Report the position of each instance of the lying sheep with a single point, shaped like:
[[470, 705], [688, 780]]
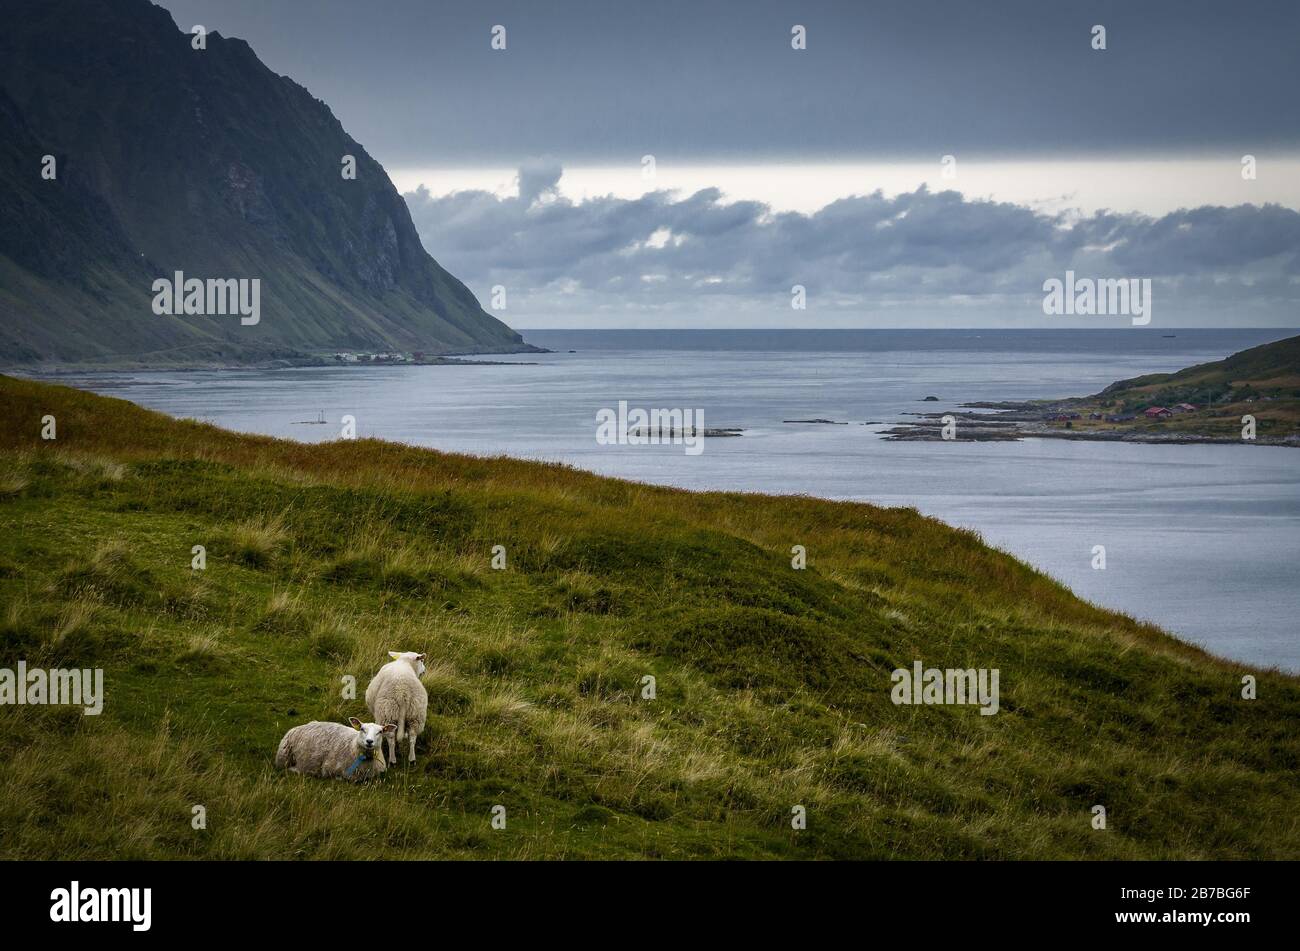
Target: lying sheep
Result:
[[396, 696], [334, 751]]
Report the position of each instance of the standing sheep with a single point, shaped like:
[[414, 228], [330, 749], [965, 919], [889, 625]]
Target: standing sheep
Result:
[[395, 695], [334, 751]]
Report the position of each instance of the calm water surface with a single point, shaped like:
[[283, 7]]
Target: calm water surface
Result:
[[1202, 540]]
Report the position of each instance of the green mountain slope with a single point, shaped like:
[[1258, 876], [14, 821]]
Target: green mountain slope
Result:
[[201, 161], [1271, 367], [772, 685], [1262, 383]]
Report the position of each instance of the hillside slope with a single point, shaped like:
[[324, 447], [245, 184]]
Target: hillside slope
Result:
[[1270, 367], [1262, 381], [205, 162], [1250, 397], [772, 684]]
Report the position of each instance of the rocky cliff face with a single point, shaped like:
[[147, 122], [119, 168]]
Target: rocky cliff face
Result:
[[169, 158]]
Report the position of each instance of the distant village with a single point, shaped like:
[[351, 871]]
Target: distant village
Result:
[[1153, 412], [344, 356], [413, 358]]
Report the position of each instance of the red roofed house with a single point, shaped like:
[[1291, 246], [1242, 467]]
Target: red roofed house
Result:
[[1157, 412], [1184, 408]]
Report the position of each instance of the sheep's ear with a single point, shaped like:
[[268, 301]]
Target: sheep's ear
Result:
[[396, 655], [356, 724], [390, 727]]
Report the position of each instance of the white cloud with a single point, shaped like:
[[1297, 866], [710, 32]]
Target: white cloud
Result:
[[921, 256]]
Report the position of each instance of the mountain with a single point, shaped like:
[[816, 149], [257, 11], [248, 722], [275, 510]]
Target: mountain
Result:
[[203, 161]]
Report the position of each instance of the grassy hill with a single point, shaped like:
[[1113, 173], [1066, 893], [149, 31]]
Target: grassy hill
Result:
[[773, 684], [1270, 366], [1263, 381]]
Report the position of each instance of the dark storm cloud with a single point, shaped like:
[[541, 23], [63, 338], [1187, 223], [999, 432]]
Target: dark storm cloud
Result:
[[416, 81], [698, 253]]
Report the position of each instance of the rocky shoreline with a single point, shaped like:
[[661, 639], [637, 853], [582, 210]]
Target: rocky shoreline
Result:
[[1009, 421]]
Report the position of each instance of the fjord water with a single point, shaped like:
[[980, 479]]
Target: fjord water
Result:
[[1201, 539]]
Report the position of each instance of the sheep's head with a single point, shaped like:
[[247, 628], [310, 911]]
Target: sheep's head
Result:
[[368, 734], [412, 658]]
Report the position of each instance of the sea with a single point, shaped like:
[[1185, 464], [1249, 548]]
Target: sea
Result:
[[1203, 540]]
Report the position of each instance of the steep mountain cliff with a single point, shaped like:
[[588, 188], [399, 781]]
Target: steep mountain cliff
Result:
[[168, 159]]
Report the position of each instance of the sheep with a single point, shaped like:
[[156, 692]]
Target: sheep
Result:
[[396, 696], [333, 750]]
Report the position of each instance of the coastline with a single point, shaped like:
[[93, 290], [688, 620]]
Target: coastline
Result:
[[46, 371], [1012, 422], [320, 557], [845, 457], [228, 435], [1252, 396]]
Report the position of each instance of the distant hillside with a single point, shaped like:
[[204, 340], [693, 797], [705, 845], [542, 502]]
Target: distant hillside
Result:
[[1270, 369], [772, 685], [201, 161], [1208, 401]]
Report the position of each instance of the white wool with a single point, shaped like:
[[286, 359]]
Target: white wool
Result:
[[396, 696], [328, 750]]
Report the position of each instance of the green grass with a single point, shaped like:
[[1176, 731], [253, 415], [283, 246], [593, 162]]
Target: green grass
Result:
[[1263, 382], [773, 685]]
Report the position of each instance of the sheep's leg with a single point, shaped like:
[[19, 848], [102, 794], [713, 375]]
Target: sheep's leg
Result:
[[391, 741], [411, 734]]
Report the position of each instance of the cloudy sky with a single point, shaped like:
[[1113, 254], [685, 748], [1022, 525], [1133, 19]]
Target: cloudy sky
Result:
[[527, 167]]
